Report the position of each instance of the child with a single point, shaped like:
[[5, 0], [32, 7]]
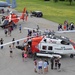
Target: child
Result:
[[25, 55], [35, 65]]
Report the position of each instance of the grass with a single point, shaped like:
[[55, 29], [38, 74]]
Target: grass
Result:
[[57, 12]]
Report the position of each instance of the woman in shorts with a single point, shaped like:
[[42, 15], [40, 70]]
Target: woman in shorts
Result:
[[45, 64], [40, 64]]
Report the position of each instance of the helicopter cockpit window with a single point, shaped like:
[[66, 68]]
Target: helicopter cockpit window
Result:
[[65, 43], [50, 47], [45, 40], [44, 47], [54, 37], [48, 36]]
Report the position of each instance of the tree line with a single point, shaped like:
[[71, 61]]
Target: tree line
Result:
[[70, 1]]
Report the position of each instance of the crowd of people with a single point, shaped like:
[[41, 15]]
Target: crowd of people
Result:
[[41, 66], [34, 32], [27, 52], [7, 33], [66, 26], [55, 61]]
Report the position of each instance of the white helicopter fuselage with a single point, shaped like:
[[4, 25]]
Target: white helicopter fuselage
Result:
[[56, 46]]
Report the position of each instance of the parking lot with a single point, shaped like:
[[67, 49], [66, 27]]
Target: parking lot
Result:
[[15, 65]]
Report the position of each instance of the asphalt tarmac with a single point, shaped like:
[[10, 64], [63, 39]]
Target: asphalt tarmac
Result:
[[16, 66]]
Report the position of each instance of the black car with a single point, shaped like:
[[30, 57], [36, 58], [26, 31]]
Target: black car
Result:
[[37, 14]]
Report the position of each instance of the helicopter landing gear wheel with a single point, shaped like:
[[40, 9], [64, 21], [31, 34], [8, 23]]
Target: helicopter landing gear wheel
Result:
[[71, 56]]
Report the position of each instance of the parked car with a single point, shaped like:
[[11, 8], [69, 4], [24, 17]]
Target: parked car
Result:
[[37, 13]]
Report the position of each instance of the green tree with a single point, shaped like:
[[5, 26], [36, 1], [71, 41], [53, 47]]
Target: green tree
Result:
[[70, 2], [55, 0]]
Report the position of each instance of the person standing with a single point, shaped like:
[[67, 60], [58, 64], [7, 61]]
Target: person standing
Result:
[[28, 32], [45, 66], [40, 64], [35, 65], [13, 42], [37, 28], [56, 62], [52, 62], [23, 55], [1, 41], [59, 66], [20, 28], [29, 51], [5, 32], [17, 42], [11, 52], [9, 31]]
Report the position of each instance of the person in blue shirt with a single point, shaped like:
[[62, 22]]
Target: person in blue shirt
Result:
[[45, 65], [20, 28]]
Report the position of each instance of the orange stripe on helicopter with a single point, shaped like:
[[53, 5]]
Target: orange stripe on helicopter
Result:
[[73, 43], [35, 42]]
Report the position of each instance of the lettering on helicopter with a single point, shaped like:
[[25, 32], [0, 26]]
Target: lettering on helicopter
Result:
[[52, 41], [63, 48]]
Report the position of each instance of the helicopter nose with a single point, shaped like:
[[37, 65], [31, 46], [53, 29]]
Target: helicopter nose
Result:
[[20, 47]]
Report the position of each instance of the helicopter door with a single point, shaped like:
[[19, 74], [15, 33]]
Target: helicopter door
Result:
[[46, 48]]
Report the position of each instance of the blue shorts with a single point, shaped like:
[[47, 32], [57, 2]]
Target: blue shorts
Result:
[[39, 67]]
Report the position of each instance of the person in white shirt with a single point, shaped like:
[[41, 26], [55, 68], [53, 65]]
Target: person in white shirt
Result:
[[40, 64]]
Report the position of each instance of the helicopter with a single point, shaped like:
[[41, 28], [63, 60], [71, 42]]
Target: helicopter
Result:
[[48, 45], [12, 19]]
